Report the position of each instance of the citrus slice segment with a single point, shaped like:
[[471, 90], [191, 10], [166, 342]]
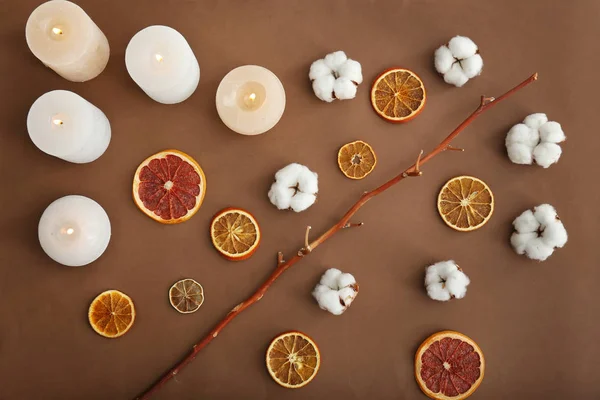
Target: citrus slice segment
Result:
[[293, 359], [186, 296], [465, 203], [398, 95], [449, 366], [235, 233], [356, 159], [111, 314], [169, 187]]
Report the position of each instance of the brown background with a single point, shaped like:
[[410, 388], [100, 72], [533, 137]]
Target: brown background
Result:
[[537, 323]]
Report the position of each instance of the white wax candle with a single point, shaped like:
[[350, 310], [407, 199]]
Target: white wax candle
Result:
[[250, 100], [65, 125], [162, 63], [66, 39], [74, 230]]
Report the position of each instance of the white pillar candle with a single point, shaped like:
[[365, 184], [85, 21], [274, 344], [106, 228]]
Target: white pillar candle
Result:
[[250, 100], [66, 39], [162, 63], [74, 230], [65, 125]]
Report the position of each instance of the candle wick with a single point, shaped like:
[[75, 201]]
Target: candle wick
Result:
[[159, 58], [57, 121], [252, 96], [57, 31]]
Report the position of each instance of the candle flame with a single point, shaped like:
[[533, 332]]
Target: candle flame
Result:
[[252, 96], [159, 58], [70, 231], [57, 122], [57, 31]]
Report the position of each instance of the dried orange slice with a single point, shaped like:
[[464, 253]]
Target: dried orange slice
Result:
[[356, 159], [449, 366], [235, 233], [111, 314], [169, 187], [186, 296], [293, 359], [465, 203], [398, 95]]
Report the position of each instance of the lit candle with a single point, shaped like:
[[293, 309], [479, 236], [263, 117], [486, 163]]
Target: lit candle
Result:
[[66, 39], [250, 100], [74, 230], [65, 125], [162, 63]]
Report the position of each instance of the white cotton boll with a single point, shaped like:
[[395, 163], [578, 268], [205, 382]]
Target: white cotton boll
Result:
[[301, 201], [443, 59], [545, 154], [438, 291], [352, 70], [545, 214], [318, 69], [335, 60], [521, 133], [526, 222], [519, 153], [519, 241], [281, 196], [344, 280], [344, 88], [534, 121], [347, 295], [455, 76], [323, 88], [555, 234], [472, 66], [536, 249], [552, 132], [462, 47], [308, 181]]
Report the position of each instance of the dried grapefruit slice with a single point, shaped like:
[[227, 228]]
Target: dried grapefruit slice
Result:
[[398, 95], [111, 314], [449, 366], [235, 233], [293, 359], [169, 187], [356, 159], [186, 296], [465, 203]]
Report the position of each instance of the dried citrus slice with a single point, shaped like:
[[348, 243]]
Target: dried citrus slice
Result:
[[169, 187], [186, 296], [449, 366], [293, 359], [235, 233], [356, 159], [465, 203], [111, 314], [398, 95]]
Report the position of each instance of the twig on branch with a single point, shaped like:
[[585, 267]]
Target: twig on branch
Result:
[[351, 225], [280, 259], [450, 147], [282, 266], [417, 171]]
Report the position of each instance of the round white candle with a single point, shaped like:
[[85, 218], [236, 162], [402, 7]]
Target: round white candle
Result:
[[66, 39], [74, 230], [65, 125], [162, 63], [250, 100]]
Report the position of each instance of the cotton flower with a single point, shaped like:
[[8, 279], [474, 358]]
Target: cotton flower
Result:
[[445, 280], [295, 188], [535, 141], [336, 291], [335, 77], [538, 233], [458, 61]]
